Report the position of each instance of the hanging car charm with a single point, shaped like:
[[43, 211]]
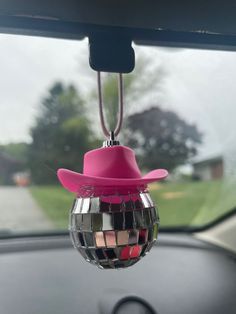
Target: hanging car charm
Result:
[[113, 222]]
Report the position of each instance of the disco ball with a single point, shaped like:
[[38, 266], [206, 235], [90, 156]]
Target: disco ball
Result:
[[114, 231], [113, 222]]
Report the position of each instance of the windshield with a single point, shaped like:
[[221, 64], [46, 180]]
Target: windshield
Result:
[[179, 115]]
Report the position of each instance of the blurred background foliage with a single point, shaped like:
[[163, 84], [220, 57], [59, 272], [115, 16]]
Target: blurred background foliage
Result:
[[61, 134], [67, 125]]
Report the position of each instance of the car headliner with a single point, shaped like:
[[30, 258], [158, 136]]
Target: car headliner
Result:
[[196, 24]]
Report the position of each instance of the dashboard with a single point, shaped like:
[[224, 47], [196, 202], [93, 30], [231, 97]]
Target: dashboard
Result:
[[180, 275]]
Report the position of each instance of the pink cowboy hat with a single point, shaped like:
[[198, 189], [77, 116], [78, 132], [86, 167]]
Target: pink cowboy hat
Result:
[[109, 166]]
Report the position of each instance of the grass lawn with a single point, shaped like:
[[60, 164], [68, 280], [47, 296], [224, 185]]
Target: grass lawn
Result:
[[192, 203], [189, 203], [56, 203]]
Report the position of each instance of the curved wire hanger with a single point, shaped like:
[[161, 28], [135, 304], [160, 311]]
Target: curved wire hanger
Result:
[[116, 131]]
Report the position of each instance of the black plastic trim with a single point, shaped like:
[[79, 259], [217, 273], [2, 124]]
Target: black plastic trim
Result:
[[156, 37]]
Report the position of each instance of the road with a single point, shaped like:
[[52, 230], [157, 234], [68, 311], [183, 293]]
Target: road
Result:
[[19, 212]]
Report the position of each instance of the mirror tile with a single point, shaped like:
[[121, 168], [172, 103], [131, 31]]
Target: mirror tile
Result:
[[150, 234], [110, 254], [133, 237], [142, 236], [138, 219], [138, 204], [97, 222], [95, 205], [129, 220], [128, 205], [90, 256], [81, 238], [144, 200], [135, 251], [146, 218], [86, 222], [100, 254], [85, 205], [110, 237], [125, 253], [122, 237], [118, 220], [88, 237], [155, 231], [99, 238], [78, 206], [107, 223], [153, 214], [149, 200], [78, 218]]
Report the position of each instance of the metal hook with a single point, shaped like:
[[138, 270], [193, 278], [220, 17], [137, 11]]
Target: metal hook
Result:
[[121, 105]]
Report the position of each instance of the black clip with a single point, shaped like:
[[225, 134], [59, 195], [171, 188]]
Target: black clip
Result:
[[111, 52]]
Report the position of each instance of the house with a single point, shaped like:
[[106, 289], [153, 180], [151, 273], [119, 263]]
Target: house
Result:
[[209, 169], [8, 166]]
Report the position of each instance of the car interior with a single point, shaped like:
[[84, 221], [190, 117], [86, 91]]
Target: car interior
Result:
[[178, 65]]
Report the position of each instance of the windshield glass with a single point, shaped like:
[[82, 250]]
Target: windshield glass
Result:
[[179, 115]]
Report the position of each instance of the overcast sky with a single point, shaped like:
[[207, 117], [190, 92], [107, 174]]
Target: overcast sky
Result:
[[199, 85]]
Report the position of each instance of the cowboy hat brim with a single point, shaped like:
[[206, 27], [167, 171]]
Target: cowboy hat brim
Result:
[[73, 181]]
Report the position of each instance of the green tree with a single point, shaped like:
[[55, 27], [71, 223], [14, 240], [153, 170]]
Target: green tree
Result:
[[61, 134], [162, 139]]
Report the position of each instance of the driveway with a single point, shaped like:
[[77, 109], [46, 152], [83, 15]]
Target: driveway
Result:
[[20, 212]]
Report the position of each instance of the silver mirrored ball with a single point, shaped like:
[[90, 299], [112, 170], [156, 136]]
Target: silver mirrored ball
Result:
[[114, 231]]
